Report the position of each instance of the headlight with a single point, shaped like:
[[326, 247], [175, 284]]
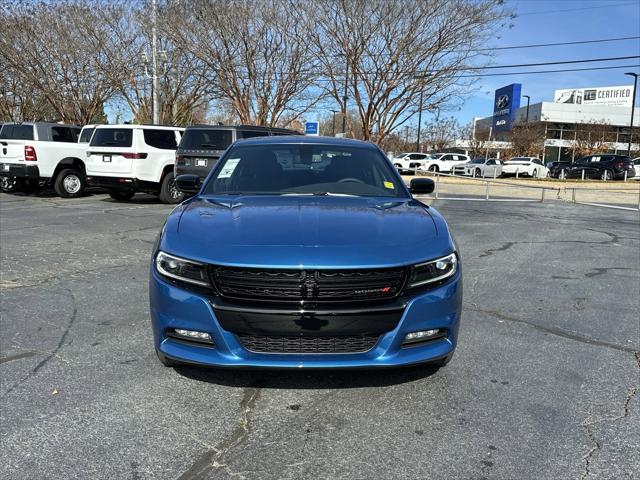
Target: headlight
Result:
[[433, 271], [181, 269]]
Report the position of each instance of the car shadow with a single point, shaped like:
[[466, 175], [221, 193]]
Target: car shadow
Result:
[[307, 379]]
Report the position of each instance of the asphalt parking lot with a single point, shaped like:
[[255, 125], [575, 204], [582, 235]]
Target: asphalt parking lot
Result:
[[544, 384]]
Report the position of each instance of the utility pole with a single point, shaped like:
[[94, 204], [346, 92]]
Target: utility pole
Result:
[[418, 149], [333, 124], [528, 99], [154, 64], [633, 107], [345, 98]]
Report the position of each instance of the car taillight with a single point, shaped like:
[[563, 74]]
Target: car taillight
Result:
[[30, 154], [134, 155]]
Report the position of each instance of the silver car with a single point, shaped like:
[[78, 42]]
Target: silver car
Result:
[[479, 167]]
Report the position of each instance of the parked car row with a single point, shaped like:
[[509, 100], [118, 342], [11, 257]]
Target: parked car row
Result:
[[123, 159], [601, 166]]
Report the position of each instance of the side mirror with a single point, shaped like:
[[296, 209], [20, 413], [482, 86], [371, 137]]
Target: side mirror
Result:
[[421, 186], [188, 183]]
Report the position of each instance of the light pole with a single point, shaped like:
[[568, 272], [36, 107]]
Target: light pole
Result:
[[333, 125], [345, 98], [154, 65], [528, 100], [633, 107], [419, 122]]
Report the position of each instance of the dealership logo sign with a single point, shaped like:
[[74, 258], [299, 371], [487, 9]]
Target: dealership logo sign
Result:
[[503, 101]]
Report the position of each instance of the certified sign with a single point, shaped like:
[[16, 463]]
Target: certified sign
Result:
[[612, 96]]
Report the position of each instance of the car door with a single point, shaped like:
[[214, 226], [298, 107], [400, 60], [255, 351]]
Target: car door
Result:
[[160, 146]]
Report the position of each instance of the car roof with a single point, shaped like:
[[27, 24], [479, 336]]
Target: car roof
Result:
[[259, 128], [307, 140], [52, 124], [132, 126]]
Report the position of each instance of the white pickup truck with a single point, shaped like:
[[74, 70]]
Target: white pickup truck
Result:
[[33, 155]]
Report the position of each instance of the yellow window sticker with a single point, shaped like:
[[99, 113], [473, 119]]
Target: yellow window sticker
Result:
[[388, 185]]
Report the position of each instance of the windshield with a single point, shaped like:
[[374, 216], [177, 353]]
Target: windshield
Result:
[[518, 159], [477, 160], [201, 139], [283, 169], [400, 155]]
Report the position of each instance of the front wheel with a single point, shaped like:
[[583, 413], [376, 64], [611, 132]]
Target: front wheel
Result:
[[434, 168], [563, 174], [606, 175], [70, 183], [169, 192], [535, 173], [478, 173], [121, 195]]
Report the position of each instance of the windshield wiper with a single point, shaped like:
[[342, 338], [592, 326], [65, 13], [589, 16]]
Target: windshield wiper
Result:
[[208, 145]]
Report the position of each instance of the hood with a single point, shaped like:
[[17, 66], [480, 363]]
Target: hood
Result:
[[306, 231]]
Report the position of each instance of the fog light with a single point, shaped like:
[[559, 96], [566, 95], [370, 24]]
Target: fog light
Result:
[[192, 335], [423, 335]]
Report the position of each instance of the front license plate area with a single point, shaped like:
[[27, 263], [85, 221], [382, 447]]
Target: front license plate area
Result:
[[200, 162]]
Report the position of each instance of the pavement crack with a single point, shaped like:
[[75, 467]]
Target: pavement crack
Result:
[[559, 332], [53, 353], [18, 356], [213, 458]]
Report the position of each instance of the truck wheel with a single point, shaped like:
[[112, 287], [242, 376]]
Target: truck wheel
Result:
[[10, 185], [169, 192], [69, 183], [121, 195]]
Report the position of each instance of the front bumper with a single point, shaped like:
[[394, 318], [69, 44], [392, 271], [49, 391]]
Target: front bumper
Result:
[[175, 307], [19, 170]]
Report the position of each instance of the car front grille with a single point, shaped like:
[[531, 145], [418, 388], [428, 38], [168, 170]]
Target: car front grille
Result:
[[310, 286], [299, 344]]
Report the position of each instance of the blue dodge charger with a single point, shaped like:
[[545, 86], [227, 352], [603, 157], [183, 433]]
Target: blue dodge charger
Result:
[[301, 252]]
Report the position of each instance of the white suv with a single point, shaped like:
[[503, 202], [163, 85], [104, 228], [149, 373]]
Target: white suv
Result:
[[126, 159], [409, 161], [444, 162]]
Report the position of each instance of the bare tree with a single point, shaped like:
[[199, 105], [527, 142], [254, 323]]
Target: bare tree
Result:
[[476, 140], [396, 51], [527, 139], [593, 137], [59, 51], [255, 56]]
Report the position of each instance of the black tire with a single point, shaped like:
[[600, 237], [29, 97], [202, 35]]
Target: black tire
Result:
[[166, 361], [562, 174], [478, 173], [10, 184], [535, 173], [121, 195], [70, 183], [434, 168], [606, 175], [169, 192]]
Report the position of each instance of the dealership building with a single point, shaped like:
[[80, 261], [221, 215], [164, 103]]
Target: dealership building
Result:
[[610, 106]]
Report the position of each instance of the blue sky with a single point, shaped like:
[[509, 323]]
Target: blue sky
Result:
[[552, 21]]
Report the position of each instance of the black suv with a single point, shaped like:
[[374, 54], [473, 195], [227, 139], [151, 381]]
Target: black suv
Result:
[[603, 166], [202, 145]]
